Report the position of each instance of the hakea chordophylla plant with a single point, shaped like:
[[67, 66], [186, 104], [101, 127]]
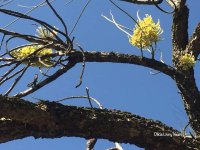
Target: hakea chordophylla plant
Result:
[[145, 33], [36, 50], [44, 32], [186, 61], [33, 51]]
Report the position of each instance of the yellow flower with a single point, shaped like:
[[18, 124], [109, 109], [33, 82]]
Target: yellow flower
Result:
[[145, 33], [44, 32], [30, 51], [186, 61]]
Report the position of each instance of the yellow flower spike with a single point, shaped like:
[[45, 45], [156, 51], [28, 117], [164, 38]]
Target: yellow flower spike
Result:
[[26, 51], [186, 61], [145, 33]]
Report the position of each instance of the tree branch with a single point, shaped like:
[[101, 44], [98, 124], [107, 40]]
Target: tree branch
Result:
[[147, 2], [180, 28], [186, 83], [77, 57], [114, 57], [194, 43], [51, 78], [19, 119]]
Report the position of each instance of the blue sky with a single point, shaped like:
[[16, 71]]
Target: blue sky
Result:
[[117, 86]]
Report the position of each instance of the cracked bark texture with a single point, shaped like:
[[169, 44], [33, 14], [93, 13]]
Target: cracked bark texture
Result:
[[53, 120]]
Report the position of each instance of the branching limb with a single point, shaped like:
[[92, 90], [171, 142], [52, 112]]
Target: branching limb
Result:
[[47, 80], [77, 57], [4, 79], [58, 16], [122, 58], [186, 84], [17, 80], [194, 43]]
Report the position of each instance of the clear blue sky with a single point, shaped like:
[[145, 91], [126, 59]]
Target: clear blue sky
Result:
[[117, 86]]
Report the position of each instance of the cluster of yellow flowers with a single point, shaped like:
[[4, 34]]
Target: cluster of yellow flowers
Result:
[[28, 51], [145, 33], [186, 61], [36, 50]]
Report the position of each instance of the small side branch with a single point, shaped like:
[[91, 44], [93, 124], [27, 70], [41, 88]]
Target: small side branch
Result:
[[47, 80], [144, 2], [194, 43]]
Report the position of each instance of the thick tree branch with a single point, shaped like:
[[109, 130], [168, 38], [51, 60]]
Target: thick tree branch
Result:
[[186, 83], [191, 96], [114, 57], [194, 44], [180, 29], [45, 119]]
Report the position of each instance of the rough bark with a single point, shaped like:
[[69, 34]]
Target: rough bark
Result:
[[186, 83], [194, 43], [20, 118]]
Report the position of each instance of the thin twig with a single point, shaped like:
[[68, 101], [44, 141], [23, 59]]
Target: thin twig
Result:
[[7, 64], [6, 3], [167, 12], [17, 80], [11, 76], [79, 17], [90, 144], [69, 2], [124, 12], [2, 40], [35, 7], [80, 97], [88, 96], [58, 16], [48, 80], [46, 25], [9, 71], [34, 82], [83, 67]]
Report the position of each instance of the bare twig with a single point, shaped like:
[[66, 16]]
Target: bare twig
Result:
[[147, 2], [2, 40], [79, 17], [88, 96], [80, 97], [47, 80], [11, 76], [83, 67], [9, 71], [46, 25], [58, 16], [8, 2], [34, 82], [124, 12], [34, 7], [90, 144], [17, 80], [167, 12]]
